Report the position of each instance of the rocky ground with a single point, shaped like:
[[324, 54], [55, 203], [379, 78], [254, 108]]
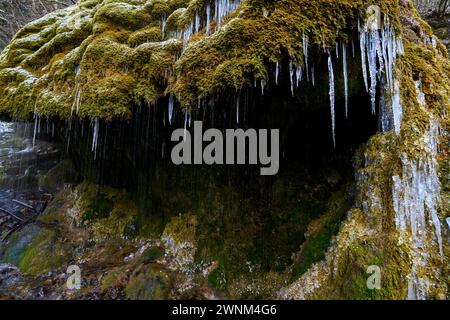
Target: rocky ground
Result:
[[111, 267]]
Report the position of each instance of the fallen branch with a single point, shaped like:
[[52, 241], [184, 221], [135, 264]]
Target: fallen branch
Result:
[[11, 214]]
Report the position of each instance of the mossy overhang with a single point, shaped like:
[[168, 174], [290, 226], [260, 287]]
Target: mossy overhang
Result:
[[110, 54]]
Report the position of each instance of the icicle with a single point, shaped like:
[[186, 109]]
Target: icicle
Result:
[[362, 43], [263, 85], [237, 110], [36, 123], [291, 76], [299, 75], [277, 72], [223, 8], [353, 48], [187, 33], [208, 17], [197, 22], [186, 116], [170, 108], [344, 59], [397, 109], [313, 76], [305, 54], [78, 100], [416, 196], [163, 26], [332, 101], [372, 58], [95, 137]]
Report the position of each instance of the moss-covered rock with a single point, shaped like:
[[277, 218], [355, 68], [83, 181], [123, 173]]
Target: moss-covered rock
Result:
[[100, 57]]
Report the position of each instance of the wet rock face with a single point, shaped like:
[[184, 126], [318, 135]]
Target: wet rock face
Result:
[[14, 14], [126, 74]]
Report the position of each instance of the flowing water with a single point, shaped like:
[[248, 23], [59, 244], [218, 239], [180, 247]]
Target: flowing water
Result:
[[23, 170]]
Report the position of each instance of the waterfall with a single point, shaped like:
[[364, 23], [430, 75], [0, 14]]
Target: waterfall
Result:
[[332, 102]]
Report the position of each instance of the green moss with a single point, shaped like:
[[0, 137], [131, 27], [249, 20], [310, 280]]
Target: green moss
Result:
[[152, 255], [117, 45], [106, 211], [148, 283], [45, 254]]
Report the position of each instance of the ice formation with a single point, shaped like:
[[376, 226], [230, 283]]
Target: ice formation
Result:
[[332, 100], [416, 197]]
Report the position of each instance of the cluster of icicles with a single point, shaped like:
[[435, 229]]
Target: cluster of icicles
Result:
[[379, 51], [221, 9]]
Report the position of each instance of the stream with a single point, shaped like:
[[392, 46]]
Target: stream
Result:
[[24, 191]]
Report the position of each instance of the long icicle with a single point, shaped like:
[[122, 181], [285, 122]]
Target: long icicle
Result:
[[332, 100], [344, 59], [362, 44]]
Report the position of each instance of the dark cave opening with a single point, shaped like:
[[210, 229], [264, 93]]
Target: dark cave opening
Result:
[[242, 216]]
